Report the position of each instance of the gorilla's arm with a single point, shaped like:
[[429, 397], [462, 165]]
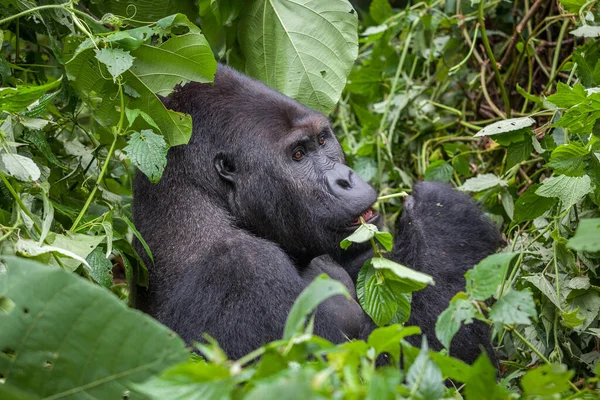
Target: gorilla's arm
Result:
[[241, 291], [443, 233]]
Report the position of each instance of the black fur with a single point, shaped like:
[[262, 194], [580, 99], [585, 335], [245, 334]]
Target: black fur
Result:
[[238, 228]]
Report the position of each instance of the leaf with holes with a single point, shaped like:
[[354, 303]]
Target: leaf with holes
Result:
[[515, 307], [70, 338], [507, 125], [116, 61], [148, 152]]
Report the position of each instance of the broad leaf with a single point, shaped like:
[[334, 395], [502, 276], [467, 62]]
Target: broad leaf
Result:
[[568, 190], [546, 381], [148, 152], [116, 61], [507, 125], [514, 307], [483, 280], [529, 205], [569, 159], [193, 380], [306, 61], [587, 236], [482, 182], [69, 336], [20, 98], [182, 59], [20, 167]]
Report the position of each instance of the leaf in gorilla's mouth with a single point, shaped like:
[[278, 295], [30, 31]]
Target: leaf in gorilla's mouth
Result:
[[368, 215]]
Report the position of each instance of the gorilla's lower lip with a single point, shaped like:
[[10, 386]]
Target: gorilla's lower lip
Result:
[[368, 216]]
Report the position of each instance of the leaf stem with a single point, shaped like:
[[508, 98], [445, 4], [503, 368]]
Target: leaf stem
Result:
[[490, 54], [17, 198], [105, 165]]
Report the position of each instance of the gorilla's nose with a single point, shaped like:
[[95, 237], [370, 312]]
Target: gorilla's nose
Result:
[[345, 184]]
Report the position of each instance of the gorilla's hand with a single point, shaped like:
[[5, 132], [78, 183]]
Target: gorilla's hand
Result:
[[349, 315]]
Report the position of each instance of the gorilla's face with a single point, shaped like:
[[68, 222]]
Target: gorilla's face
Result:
[[293, 187]]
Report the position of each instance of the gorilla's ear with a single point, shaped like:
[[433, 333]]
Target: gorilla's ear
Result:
[[225, 167]]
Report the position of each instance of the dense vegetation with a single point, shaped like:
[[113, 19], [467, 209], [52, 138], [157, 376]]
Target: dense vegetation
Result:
[[501, 98]]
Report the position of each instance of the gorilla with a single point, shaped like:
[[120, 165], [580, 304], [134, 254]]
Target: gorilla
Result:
[[255, 206]]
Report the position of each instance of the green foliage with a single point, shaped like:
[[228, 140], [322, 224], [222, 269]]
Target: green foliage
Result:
[[63, 336], [510, 115]]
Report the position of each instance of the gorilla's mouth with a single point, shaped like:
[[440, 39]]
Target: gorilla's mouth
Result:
[[369, 215]]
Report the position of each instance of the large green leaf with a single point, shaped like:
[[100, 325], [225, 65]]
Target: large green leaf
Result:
[[65, 337], [303, 48], [183, 58]]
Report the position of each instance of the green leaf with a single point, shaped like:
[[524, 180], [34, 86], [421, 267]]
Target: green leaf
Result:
[[460, 311], [571, 319], [375, 296], [380, 10], [569, 190], [514, 307], [191, 380], [116, 61], [31, 248], [291, 384], [587, 236], [148, 152], [569, 159], [308, 62], [183, 58], [363, 233], [482, 182], [481, 383], [424, 377], [385, 239], [566, 96], [387, 339], [483, 280], [546, 381], [507, 125], [20, 98], [529, 205], [517, 152], [101, 268], [439, 171], [401, 272], [320, 289], [20, 167], [69, 336]]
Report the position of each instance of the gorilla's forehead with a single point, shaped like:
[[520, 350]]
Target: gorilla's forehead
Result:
[[310, 124]]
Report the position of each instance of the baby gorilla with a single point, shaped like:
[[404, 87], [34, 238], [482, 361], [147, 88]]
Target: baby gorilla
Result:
[[255, 206]]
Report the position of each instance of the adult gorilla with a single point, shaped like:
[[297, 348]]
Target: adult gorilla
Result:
[[255, 206]]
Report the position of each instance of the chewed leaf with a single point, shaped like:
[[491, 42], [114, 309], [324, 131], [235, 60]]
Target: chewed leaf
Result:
[[508, 125], [116, 61]]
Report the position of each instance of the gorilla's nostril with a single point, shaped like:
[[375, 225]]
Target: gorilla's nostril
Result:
[[344, 184]]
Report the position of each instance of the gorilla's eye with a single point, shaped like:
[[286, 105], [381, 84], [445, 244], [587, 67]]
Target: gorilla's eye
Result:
[[321, 140], [298, 154]]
